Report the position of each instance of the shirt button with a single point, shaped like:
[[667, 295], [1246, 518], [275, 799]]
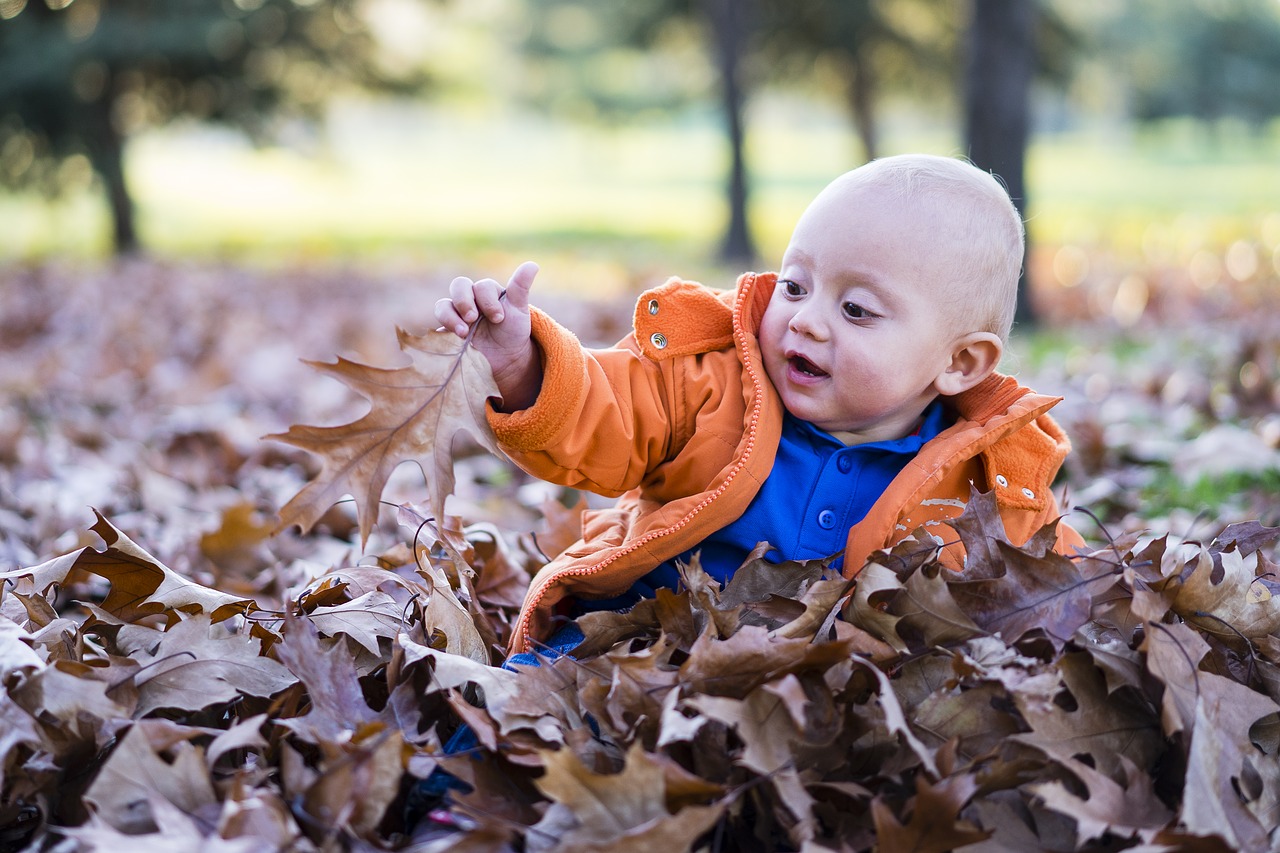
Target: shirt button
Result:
[[845, 464], [826, 519]]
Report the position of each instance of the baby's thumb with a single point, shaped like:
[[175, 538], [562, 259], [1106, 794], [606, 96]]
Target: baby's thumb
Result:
[[519, 285]]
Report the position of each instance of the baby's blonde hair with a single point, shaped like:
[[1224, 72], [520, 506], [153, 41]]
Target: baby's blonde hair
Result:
[[987, 228]]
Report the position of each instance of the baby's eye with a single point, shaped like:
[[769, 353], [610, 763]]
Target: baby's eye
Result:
[[854, 311], [790, 288]]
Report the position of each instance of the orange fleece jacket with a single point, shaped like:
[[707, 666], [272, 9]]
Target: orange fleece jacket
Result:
[[680, 422]]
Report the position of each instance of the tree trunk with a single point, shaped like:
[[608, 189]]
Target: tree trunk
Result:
[[106, 153], [1001, 63], [862, 104], [730, 26]]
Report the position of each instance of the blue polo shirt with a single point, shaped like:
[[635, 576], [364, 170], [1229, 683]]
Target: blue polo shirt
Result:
[[818, 489]]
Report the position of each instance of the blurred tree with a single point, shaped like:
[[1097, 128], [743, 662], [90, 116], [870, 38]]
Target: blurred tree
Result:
[[77, 77], [864, 46], [1205, 60], [1009, 43], [1000, 64], [620, 58]]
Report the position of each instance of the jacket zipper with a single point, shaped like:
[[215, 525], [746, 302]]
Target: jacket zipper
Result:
[[522, 627]]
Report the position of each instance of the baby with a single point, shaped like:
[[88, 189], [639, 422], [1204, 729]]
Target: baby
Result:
[[830, 409]]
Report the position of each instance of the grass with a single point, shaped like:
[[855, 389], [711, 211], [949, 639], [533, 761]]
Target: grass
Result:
[[395, 181]]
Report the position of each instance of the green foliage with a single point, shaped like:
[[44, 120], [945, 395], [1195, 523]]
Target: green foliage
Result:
[[1167, 492], [78, 78], [1208, 60]]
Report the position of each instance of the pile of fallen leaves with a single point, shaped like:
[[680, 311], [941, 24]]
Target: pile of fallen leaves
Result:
[[1124, 699], [178, 675]]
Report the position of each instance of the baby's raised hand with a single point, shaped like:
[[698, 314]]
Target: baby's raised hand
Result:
[[504, 336]]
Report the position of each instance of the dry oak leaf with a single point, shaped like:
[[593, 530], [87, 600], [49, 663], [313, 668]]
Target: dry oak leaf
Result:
[[133, 775], [935, 825], [1211, 802], [1126, 810], [626, 811], [1240, 602], [1028, 592], [194, 667], [1101, 724], [414, 413], [140, 584], [338, 706]]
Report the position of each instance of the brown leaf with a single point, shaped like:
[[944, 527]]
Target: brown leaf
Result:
[[243, 734], [134, 774], [981, 529], [1100, 724], [869, 608], [338, 705], [757, 579], [1244, 537], [195, 666], [821, 601], [736, 665], [1108, 806], [38, 579], [1018, 592], [142, 586], [625, 811], [928, 614], [935, 825], [1211, 802], [234, 547], [16, 653], [358, 780], [71, 707], [174, 830], [704, 597], [256, 816], [415, 412], [975, 718], [629, 687], [1240, 602], [500, 579], [1173, 656], [500, 687], [1122, 665], [18, 729]]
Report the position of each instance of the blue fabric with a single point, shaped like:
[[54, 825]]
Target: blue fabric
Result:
[[818, 489], [464, 740], [561, 643]]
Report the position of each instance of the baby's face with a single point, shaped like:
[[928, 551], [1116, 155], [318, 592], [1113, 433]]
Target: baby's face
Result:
[[860, 329]]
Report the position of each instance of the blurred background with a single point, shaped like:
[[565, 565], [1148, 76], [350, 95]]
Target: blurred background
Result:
[[652, 131], [197, 191]]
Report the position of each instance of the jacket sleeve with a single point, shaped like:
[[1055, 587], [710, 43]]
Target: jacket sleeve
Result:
[[602, 419]]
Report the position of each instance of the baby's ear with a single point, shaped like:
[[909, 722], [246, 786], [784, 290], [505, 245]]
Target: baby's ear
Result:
[[973, 359]]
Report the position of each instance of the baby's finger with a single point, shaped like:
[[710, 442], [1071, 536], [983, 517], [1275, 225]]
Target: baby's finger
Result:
[[488, 295], [520, 283], [462, 292], [448, 317]]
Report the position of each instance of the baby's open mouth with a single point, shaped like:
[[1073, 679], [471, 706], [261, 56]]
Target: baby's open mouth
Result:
[[805, 366]]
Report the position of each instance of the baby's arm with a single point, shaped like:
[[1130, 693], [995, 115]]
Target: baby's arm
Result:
[[504, 339]]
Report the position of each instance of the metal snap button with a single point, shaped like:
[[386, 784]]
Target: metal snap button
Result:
[[653, 306], [659, 340], [1001, 481], [1030, 494]]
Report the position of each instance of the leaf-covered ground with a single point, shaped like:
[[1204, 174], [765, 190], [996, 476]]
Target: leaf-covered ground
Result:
[[178, 673]]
